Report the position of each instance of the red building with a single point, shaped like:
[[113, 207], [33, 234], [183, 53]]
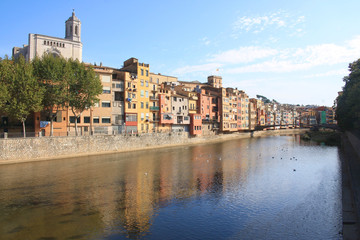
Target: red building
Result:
[[195, 124]]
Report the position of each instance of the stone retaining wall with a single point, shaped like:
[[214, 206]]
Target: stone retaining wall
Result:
[[44, 148]]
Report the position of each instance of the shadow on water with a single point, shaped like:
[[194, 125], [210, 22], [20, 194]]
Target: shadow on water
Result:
[[235, 188]]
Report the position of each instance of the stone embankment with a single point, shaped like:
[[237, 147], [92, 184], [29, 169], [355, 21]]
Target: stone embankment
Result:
[[46, 148], [351, 186]]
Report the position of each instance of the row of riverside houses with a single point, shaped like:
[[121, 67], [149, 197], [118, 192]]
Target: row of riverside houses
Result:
[[134, 100]]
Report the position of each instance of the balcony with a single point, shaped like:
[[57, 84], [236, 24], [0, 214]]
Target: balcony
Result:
[[152, 98], [156, 108]]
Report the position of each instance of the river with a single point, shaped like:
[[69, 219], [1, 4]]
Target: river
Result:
[[259, 188]]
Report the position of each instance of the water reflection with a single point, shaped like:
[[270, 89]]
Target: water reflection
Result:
[[273, 188]]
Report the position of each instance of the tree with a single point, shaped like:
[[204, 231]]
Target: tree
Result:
[[6, 68], [25, 93], [84, 86], [348, 104], [50, 72]]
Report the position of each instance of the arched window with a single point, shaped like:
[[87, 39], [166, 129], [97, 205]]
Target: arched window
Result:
[[76, 30]]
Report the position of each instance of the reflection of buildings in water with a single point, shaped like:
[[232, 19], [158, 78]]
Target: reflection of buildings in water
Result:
[[138, 208]]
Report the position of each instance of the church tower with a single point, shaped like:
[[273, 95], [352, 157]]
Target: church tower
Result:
[[73, 28]]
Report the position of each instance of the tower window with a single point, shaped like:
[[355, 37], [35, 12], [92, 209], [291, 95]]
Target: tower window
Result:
[[76, 30]]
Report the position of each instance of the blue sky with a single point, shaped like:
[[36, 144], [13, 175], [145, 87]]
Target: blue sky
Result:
[[292, 51]]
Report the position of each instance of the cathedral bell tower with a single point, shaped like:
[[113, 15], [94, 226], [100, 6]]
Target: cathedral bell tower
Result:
[[73, 28]]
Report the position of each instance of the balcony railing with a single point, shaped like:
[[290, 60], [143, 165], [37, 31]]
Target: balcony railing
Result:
[[152, 98], [152, 108]]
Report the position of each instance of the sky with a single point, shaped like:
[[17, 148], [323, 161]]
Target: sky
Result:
[[295, 52]]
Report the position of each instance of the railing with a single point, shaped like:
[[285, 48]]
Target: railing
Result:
[[152, 108], [152, 98]]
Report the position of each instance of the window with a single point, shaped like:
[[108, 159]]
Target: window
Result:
[[105, 120], [147, 73], [105, 104], [151, 79], [146, 83], [147, 105], [142, 93], [142, 72], [142, 116], [106, 90], [118, 97], [129, 84], [130, 118], [129, 95], [96, 120], [147, 116], [86, 119], [157, 81], [129, 105], [76, 30], [119, 85], [142, 82], [134, 105], [105, 78], [142, 104], [72, 119], [146, 94]]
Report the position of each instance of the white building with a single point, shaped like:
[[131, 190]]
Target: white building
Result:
[[68, 47]]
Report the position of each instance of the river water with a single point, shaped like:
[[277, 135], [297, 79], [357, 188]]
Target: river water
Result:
[[260, 188]]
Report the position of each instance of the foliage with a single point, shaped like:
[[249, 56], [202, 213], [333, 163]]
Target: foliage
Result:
[[25, 93], [264, 99], [6, 68], [84, 86], [348, 104], [50, 72]]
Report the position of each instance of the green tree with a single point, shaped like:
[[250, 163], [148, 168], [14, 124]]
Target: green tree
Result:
[[348, 104], [6, 69], [25, 93], [84, 87], [50, 72]]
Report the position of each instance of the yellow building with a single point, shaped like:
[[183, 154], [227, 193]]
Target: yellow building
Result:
[[137, 93]]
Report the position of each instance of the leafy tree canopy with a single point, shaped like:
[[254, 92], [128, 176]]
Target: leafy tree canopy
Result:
[[348, 104]]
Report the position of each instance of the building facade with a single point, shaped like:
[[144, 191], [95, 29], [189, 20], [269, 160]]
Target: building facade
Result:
[[68, 47]]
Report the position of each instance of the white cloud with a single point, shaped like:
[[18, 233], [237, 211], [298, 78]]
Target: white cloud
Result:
[[257, 59], [290, 59], [339, 72], [243, 55], [209, 67], [269, 66], [205, 41], [257, 24]]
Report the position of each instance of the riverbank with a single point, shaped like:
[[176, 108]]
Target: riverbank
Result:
[[21, 150], [328, 137]]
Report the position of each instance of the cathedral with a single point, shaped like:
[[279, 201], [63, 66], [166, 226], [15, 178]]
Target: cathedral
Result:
[[68, 47]]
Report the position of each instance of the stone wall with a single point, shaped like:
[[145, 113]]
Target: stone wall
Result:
[[42, 148]]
